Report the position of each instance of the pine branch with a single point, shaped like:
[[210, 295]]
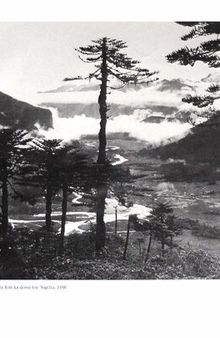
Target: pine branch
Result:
[[200, 101], [200, 28], [90, 50], [214, 88], [73, 78], [197, 31], [86, 60], [117, 88], [189, 56]]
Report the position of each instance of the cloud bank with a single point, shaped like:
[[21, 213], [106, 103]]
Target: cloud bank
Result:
[[153, 133], [163, 92]]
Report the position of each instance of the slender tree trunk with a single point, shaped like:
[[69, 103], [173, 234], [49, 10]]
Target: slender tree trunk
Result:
[[171, 242], [127, 238], [162, 244], [37, 240], [4, 208], [63, 219], [101, 186], [103, 106], [116, 221], [49, 195], [149, 246], [100, 224]]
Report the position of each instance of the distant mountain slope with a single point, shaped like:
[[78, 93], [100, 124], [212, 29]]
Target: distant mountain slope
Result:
[[173, 85], [201, 145], [81, 96], [15, 113], [69, 110]]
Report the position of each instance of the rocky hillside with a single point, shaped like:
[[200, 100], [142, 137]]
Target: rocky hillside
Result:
[[22, 115]]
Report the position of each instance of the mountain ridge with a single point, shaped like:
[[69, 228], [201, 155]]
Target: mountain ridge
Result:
[[201, 145], [19, 114]]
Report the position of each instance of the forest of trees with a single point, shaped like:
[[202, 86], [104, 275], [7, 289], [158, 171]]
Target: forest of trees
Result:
[[49, 167]]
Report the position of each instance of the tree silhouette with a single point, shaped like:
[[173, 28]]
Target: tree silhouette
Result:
[[122, 189], [109, 176], [12, 144], [162, 225], [72, 168], [110, 63], [206, 52], [41, 172]]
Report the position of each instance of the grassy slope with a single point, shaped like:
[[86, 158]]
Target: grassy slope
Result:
[[26, 260]]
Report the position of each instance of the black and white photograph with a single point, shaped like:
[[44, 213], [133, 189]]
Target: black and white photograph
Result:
[[110, 150]]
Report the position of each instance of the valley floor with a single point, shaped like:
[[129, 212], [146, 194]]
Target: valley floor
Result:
[[197, 250]]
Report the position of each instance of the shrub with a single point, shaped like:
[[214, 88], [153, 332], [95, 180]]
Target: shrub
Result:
[[202, 230], [184, 264]]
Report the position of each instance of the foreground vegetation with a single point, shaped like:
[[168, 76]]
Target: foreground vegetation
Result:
[[34, 255]]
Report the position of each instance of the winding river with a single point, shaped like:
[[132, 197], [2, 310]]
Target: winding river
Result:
[[86, 218]]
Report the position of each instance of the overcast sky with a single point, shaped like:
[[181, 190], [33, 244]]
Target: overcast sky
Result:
[[37, 56]]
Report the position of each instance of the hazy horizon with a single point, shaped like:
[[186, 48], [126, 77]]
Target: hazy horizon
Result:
[[36, 56]]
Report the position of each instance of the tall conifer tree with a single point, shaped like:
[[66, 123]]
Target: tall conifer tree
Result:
[[110, 63], [12, 145]]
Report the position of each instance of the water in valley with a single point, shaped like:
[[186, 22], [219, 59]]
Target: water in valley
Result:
[[197, 201]]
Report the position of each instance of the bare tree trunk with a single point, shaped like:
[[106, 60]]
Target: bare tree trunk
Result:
[[171, 242], [139, 246], [101, 186], [127, 238], [103, 106], [63, 218], [37, 240], [100, 224], [49, 195], [4, 208], [116, 220], [163, 244], [149, 246]]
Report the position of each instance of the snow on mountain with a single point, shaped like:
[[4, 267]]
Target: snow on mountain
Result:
[[153, 113], [164, 93]]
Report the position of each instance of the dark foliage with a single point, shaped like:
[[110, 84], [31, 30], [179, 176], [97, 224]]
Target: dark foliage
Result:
[[34, 256], [73, 170], [12, 160], [162, 225], [206, 52], [43, 156]]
